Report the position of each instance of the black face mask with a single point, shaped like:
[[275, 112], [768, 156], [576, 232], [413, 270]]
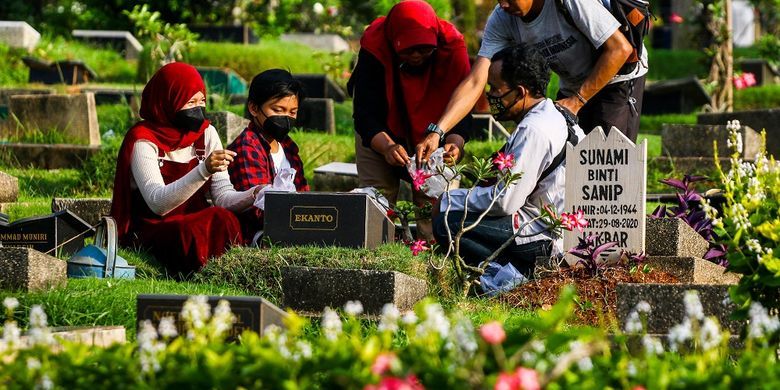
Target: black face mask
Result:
[[278, 126], [497, 107], [190, 119]]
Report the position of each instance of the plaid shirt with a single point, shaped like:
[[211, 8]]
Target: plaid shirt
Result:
[[253, 164]]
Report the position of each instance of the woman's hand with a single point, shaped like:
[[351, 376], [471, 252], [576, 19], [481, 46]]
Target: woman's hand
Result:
[[219, 160]]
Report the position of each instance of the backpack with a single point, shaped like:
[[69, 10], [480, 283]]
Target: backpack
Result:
[[634, 19]]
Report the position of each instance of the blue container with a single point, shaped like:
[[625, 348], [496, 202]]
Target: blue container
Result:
[[90, 262]]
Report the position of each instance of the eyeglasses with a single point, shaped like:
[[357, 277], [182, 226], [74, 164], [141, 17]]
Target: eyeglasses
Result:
[[421, 50]]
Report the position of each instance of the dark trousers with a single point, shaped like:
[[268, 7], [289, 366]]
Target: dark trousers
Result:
[[612, 107], [478, 244]]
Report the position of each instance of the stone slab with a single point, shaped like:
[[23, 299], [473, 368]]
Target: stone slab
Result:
[[9, 188], [311, 289], [673, 237], [693, 270], [105, 95], [18, 34], [50, 156], [27, 270], [667, 306], [228, 124], [699, 141], [321, 86], [703, 166], [6, 93], [73, 115], [95, 336], [325, 42], [88, 209], [758, 120], [123, 41], [317, 114], [336, 177]]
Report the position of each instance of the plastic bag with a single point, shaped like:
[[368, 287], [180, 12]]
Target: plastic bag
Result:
[[437, 171], [284, 181], [500, 278], [375, 195]]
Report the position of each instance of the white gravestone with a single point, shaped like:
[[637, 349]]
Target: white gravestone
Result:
[[606, 178], [18, 34]]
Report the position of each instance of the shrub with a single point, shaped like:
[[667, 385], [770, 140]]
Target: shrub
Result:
[[754, 98]]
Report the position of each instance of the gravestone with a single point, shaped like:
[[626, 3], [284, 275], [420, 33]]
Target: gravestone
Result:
[[88, 209], [317, 114], [18, 34], [252, 313], [57, 233], [9, 188], [223, 81], [673, 237], [321, 86], [311, 289], [94, 336], [606, 178], [678, 96], [122, 41], [667, 305], [335, 177], [228, 124], [339, 219], [45, 156], [325, 42], [75, 116], [764, 74], [758, 120], [698, 141], [104, 95], [692, 270], [68, 72], [6, 93], [236, 34], [26, 269]]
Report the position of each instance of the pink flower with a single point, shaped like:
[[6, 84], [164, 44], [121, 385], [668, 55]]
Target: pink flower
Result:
[[578, 220], [507, 381], [739, 83], [493, 333], [418, 246], [529, 378], [676, 18], [382, 363], [332, 10], [418, 179], [568, 221], [749, 79], [393, 383], [504, 161]]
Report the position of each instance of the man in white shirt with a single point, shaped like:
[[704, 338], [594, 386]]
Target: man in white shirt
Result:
[[518, 78]]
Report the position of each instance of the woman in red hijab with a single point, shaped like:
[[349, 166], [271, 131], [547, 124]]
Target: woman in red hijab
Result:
[[167, 165], [409, 64]]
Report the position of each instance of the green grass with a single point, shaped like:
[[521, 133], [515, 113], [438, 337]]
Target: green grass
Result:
[[754, 98], [653, 124], [249, 60], [94, 302], [259, 270]]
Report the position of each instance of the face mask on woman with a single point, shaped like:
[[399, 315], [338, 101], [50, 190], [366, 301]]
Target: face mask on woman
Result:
[[190, 119]]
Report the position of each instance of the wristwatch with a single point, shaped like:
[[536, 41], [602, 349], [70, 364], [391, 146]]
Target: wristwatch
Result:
[[434, 128]]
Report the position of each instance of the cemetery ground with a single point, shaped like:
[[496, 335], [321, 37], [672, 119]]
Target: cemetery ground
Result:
[[543, 325]]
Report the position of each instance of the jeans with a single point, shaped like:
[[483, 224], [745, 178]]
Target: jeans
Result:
[[479, 243]]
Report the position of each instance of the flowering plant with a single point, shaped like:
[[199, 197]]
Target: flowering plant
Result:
[[750, 224]]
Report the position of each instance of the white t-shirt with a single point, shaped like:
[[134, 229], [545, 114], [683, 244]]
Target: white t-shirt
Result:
[[535, 143], [280, 160], [570, 50]]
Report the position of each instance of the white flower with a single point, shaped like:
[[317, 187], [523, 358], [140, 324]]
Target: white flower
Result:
[[331, 324], [38, 317], [223, 319], [45, 383], [435, 322], [10, 303], [739, 216], [318, 8], [11, 333], [585, 364], [710, 211], [537, 346], [33, 364], [709, 334], [768, 254], [680, 333], [631, 369], [693, 308], [643, 307], [652, 345], [753, 245], [167, 327], [195, 312], [353, 308], [761, 324], [39, 332], [410, 318], [304, 349], [633, 323], [148, 347], [463, 333], [389, 319]]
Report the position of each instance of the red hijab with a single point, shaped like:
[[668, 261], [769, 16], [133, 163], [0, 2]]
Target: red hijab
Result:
[[425, 95], [167, 91]]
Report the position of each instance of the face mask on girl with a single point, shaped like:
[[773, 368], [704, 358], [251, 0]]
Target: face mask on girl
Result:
[[190, 119]]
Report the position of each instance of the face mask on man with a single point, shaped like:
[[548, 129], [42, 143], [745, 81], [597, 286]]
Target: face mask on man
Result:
[[190, 119], [497, 107], [278, 126]]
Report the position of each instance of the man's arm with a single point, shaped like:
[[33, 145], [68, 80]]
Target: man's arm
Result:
[[615, 51], [462, 101]]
